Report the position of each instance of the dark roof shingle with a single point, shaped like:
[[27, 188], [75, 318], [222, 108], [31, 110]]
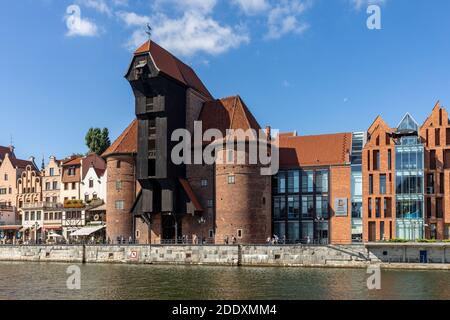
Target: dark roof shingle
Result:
[[173, 67]]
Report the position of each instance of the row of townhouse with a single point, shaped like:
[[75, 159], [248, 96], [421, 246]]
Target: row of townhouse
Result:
[[53, 202]]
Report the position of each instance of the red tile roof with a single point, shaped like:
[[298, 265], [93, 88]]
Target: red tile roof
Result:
[[227, 113], [22, 164], [190, 193], [173, 67], [126, 143], [319, 150], [72, 162]]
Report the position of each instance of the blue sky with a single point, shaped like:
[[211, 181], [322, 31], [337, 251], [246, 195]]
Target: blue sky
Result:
[[311, 66]]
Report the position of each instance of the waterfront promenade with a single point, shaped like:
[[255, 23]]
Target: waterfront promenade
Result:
[[411, 255]]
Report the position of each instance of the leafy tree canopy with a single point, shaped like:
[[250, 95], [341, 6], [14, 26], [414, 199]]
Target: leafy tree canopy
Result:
[[97, 140]]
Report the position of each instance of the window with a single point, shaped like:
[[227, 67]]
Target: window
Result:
[[239, 233], [322, 181], [308, 181], [378, 207], [370, 208], [86, 198], [32, 215], [389, 160], [368, 160], [74, 185], [91, 183], [230, 156], [27, 216], [388, 139], [387, 208], [437, 137], [120, 204], [433, 159], [47, 199], [118, 164], [46, 216], [211, 233], [231, 179], [447, 136], [441, 183], [293, 181], [439, 211], [382, 184], [66, 186], [47, 186], [55, 185], [71, 171], [6, 177], [307, 206], [51, 172], [55, 199], [204, 183], [376, 160], [138, 234], [118, 185], [3, 191], [371, 184], [210, 203], [430, 183], [279, 207], [280, 183], [294, 207], [322, 207]]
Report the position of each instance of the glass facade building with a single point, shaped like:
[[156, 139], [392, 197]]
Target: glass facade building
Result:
[[409, 181], [301, 209], [358, 142]]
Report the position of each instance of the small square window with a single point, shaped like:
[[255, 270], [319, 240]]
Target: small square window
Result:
[[204, 183], [210, 203], [231, 179]]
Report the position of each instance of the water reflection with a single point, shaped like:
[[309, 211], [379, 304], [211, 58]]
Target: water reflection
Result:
[[48, 281]]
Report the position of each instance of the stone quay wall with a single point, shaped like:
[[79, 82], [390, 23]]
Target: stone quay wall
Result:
[[410, 255]]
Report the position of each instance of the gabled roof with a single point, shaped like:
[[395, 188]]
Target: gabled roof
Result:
[[4, 151], [173, 67], [227, 113], [126, 143], [319, 150]]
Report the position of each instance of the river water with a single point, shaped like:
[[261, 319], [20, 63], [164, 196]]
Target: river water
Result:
[[48, 281]]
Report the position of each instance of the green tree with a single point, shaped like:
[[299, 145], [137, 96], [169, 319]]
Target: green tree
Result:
[[97, 140]]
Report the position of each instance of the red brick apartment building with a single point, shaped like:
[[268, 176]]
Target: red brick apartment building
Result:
[[407, 179], [339, 188]]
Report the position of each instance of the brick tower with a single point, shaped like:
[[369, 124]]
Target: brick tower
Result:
[[121, 184]]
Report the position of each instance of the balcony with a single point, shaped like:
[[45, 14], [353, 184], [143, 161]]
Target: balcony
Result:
[[42, 205]]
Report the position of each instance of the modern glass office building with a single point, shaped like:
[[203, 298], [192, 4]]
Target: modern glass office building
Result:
[[301, 206], [409, 181]]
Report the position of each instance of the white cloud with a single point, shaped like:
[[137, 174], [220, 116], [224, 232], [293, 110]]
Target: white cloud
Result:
[[358, 4], [251, 7], [78, 26], [202, 6], [98, 5], [132, 19], [191, 34], [284, 18]]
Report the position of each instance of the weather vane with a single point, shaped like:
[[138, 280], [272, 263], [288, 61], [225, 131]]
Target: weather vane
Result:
[[149, 31]]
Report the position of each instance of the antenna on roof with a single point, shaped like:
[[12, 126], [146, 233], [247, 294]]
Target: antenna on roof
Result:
[[11, 139], [149, 32]]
